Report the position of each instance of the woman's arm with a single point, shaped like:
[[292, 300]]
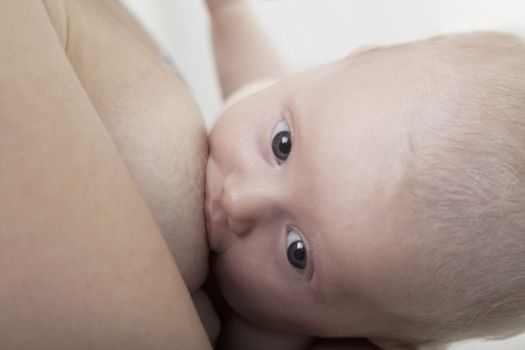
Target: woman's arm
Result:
[[82, 263], [242, 53]]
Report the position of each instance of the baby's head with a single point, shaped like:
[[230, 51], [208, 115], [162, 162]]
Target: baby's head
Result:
[[380, 196]]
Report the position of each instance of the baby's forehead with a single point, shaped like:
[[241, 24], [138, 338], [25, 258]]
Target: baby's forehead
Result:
[[350, 144]]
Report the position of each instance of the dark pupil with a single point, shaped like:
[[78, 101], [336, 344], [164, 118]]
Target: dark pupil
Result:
[[282, 145], [297, 254]]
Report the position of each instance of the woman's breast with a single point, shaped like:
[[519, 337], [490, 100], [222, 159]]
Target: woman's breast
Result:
[[152, 118]]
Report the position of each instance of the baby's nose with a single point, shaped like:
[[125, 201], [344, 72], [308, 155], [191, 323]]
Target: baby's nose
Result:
[[246, 201]]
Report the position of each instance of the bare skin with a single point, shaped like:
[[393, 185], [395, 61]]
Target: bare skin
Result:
[[247, 63], [150, 116], [91, 139], [102, 153], [297, 228]]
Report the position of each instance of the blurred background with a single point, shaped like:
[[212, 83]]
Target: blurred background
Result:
[[309, 32]]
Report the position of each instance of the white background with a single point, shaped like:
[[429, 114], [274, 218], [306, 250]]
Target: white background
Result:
[[309, 32]]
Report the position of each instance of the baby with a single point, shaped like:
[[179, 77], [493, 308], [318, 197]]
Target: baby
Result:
[[379, 196]]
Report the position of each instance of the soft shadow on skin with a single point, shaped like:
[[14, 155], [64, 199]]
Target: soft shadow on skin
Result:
[[338, 344]]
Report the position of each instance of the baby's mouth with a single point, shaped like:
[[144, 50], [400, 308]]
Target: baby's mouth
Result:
[[216, 221], [208, 214]]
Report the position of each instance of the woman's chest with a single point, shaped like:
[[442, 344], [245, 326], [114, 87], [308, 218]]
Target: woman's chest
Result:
[[152, 118]]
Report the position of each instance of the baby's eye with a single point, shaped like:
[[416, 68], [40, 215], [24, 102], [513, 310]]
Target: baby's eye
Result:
[[296, 250], [281, 141]]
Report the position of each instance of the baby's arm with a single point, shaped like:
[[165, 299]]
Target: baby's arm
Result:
[[242, 53]]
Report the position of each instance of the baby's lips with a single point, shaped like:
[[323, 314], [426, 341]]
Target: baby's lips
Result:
[[214, 213]]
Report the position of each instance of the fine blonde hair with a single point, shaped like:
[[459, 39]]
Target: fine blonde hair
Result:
[[464, 186]]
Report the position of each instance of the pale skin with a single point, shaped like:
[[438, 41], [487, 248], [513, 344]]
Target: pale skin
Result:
[[100, 245], [98, 202], [258, 203], [335, 189]]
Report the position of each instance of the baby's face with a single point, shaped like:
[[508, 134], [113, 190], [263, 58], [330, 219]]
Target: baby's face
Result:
[[302, 185]]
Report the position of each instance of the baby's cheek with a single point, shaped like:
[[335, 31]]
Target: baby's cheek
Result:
[[259, 293], [243, 283]]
